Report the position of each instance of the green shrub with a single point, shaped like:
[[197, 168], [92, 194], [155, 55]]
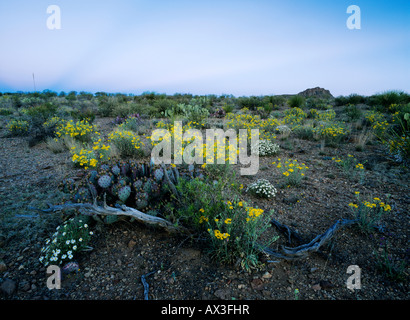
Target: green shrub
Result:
[[386, 99], [251, 103], [353, 112], [233, 229], [18, 127], [42, 112], [296, 102]]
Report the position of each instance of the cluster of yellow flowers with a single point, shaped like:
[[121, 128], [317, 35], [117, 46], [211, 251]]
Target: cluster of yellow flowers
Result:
[[18, 126], [221, 236], [86, 157], [371, 205], [294, 116], [331, 131], [247, 121], [253, 213], [80, 130], [292, 170], [359, 166], [120, 135], [53, 122], [378, 122]]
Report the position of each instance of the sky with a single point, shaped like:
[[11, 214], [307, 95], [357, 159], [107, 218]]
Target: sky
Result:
[[238, 47]]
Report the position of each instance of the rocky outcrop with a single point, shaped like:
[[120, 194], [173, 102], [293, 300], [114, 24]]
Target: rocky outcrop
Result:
[[316, 93]]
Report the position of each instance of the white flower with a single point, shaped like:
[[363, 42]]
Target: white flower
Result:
[[81, 239], [41, 259], [85, 225], [69, 252], [63, 256], [74, 247], [72, 241], [64, 233], [91, 232], [70, 256], [67, 242]]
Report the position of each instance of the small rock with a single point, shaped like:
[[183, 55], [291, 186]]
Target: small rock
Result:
[[223, 294], [316, 287], [3, 266], [24, 286], [131, 244], [8, 287], [257, 284], [267, 275], [20, 258], [326, 285], [241, 286]]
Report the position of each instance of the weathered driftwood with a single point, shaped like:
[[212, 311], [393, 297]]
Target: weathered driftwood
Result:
[[304, 250], [145, 284], [94, 209]]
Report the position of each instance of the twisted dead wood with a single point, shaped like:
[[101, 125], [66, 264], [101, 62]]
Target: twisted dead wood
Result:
[[304, 250], [94, 209]]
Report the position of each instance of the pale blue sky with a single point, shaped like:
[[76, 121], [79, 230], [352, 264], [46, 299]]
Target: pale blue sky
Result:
[[205, 47]]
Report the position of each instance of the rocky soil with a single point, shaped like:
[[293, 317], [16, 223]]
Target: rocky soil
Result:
[[179, 268]]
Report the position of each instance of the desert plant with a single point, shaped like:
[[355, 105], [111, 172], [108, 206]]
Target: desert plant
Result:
[[296, 101], [67, 242], [265, 148], [292, 171], [18, 127], [262, 188], [369, 212], [127, 142]]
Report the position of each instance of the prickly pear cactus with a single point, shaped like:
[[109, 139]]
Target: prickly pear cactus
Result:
[[124, 193], [104, 181], [158, 174], [82, 195], [141, 200], [116, 170], [141, 185]]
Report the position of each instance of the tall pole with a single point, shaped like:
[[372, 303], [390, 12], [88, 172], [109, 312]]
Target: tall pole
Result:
[[34, 81]]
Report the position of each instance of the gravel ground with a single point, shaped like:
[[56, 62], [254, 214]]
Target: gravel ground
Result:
[[178, 268]]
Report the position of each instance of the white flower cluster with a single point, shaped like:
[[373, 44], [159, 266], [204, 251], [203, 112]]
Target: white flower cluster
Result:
[[265, 148], [283, 129], [72, 237], [262, 188]]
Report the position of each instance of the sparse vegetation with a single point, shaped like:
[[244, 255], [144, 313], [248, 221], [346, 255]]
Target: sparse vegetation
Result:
[[316, 153]]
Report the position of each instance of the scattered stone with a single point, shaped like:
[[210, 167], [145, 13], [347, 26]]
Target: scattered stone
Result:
[[223, 294], [257, 284], [3, 266], [267, 275], [131, 244], [8, 287], [326, 285], [316, 287]]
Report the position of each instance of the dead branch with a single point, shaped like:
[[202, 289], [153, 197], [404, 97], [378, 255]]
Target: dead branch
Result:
[[94, 209], [304, 250]]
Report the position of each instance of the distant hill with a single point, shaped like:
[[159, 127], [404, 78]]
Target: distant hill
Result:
[[316, 93]]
